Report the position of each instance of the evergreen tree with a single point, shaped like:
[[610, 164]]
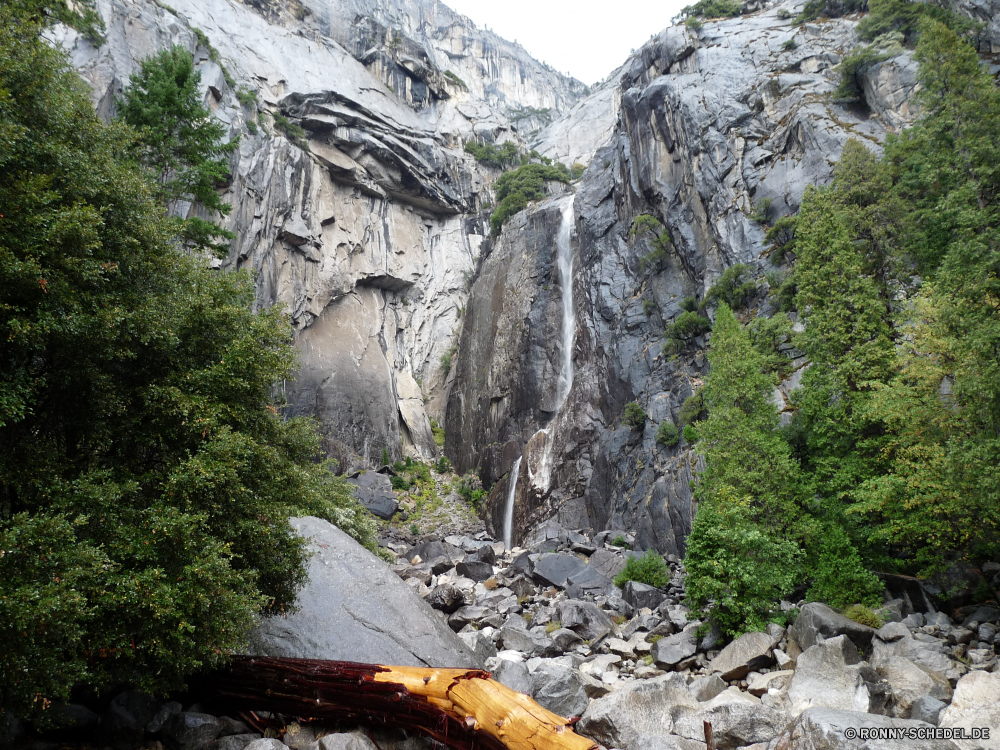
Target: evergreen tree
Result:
[[179, 142], [146, 478]]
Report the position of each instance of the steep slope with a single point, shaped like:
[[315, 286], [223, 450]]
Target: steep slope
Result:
[[366, 228], [710, 123]]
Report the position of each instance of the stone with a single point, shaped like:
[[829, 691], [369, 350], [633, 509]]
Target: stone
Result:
[[553, 569], [893, 631], [514, 675], [749, 652], [527, 642], [190, 731], [910, 682], [380, 622], [588, 582], [734, 724], [783, 660], [463, 616], [669, 652], [564, 638], [446, 598], [298, 736], [927, 709], [266, 744], [706, 687], [345, 741], [521, 565], [824, 729], [975, 703], [829, 675], [816, 619], [559, 689], [233, 741], [770, 681], [609, 564], [640, 709], [123, 724], [374, 490], [585, 618], [480, 644], [474, 570], [641, 595]]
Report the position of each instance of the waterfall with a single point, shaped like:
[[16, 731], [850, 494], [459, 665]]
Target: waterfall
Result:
[[508, 515], [565, 263]]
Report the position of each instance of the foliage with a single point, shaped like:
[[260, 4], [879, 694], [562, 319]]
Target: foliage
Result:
[[830, 8], [635, 416], [443, 465], [687, 325], [782, 238], [766, 335], [693, 23], [789, 44], [863, 615], [649, 569], [713, 9], [456, 79], [904, 17], [290, 130], [689, 304], [247, 97], [690, 434], [619, 541], [471, 490], [736, 288], [179, 144], [760, 211], [81, 15], [667, 434], [146, 477], [693, 408], [515, 189], [648, 306], [438, 431], [399, 483], [506, 155], [649, 225], [447, 357], [852, 67], [839, 575], [736, 570]]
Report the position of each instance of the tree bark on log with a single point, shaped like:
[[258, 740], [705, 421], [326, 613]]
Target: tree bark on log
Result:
[[463, 708]]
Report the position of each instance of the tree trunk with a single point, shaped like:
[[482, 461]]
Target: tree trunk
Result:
[[462, 708]]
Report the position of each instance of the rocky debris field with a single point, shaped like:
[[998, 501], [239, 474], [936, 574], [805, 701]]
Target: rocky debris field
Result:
[[642, 672]]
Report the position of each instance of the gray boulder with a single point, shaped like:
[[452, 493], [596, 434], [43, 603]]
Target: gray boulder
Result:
[[734, 724], [474, 569], [646, 708], [233, 742], [828, 729], [585, 618], [266, 744], [609, 564], [480, 644], [527, 642], [374, 490], [707, 687], [559, 689], [353, 608], [831, 675], [190, 731], [927, 709], [817, 619], [553, 569], [669, 652], [446, 598], [976, 703], [468, 614], [641, 595], [513, 674], [910, 681], [344, 741], [746, 654]]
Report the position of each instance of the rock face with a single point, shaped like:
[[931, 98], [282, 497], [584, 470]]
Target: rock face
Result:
[[354, 608]]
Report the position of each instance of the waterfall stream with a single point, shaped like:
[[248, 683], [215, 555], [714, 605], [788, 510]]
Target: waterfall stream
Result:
[[508, 516]]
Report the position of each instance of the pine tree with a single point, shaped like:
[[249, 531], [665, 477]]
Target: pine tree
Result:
[[179, 142]]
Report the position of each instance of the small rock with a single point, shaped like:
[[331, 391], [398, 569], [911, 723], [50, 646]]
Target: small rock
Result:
[[927, 709], [190, 731], [772, 680], [446, 598], [893, 631], [748, 652]]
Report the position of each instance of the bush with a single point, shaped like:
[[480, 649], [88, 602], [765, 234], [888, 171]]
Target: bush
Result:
[[293, 132], [437, 430], [690, 304], [687, 326], [903, 17], [693, 24], [782, 237], [414, 529], [667, 434], [839, 577], [693, 408], [713, 9], [690, 434], [635, 416], [399, 483], [515, 189], [852, 67], [506, 155], [736, 571], [443, 465], [649, 569], [761, 210], [863, 616], [648, 307], [830, 8], [789, 44], [619, 541], [735, 287]]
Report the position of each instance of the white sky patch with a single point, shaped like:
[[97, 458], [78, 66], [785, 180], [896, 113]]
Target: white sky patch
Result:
[[586, 38]]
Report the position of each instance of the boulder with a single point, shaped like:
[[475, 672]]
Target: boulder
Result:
[[927, 709], [559, 689], [434, 550], [190, 731], [527, 642], [480, 644], [565, 639], [771, 680], [824, 729], [345, 741], [266, 744], [446, 598], [641, 595], [893, 631], [374, 490], [707, 687], [609, 564], [669, 652], [553, 569], [474, 569], [353, 608], [513, 674], [746, 654], [817, 619], [830, 674], [299, 736], [588, 581], [976, 703], [645, 708], [233, 741], [468, 614], [585, 618], [929, 653], [734, 724], [910, 681], [123, 725]]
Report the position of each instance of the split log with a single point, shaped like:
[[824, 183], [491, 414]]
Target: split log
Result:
[[463, 708]]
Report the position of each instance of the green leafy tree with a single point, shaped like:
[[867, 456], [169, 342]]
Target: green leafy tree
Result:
[[146, 477], [179, 142], [515, 189]]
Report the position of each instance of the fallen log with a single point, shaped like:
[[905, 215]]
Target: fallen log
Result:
[[463, 708]]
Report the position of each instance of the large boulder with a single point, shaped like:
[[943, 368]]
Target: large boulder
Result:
[[553, 569], [642, 709], [831, 675], [354, 608], [641, 595], [586, 619], [669, 652], [559, 688], [190, 731], [976, 703], [830, 729], [734, 724], [746, 654], [374, 490], [931, 653], [910, 681], [817, 619]]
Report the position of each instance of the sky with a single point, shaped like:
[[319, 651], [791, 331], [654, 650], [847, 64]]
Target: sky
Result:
[[586, 38]]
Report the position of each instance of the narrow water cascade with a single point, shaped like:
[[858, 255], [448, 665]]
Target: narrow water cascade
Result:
[[508, 514], [565, 265]]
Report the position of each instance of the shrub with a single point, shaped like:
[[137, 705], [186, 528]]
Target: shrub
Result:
[[399, 483], [506, 155], [760, 210], [385, 457], [693, 24], [690, 434], [687, 326], [736, 571], [247, 97], [693, 408], [446, 359], [251, 127], [830, 8], [649, 569], [515, 189], [713, 9], [767, 334], [690, 304], [852, 67], [437, 430], [903, 17], [648, 307], [293, 132], [667, 434], [443, 465], [635, 416], [789, 44], [782, 237], [414, 529], [839, 577], [863, 616], [619, 541], [735, 287]]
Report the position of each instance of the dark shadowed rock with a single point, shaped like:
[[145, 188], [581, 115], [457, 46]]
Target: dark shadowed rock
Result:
[[746, 654], [521, 565], [434, 550], [233, 741], [353, 608], [669, 652], [585, 618], [446, 598], [123, 725], [374, 490], [641, 595], [474, 569], [190, 731], [819, 619], [554, 569], [927, 709]]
